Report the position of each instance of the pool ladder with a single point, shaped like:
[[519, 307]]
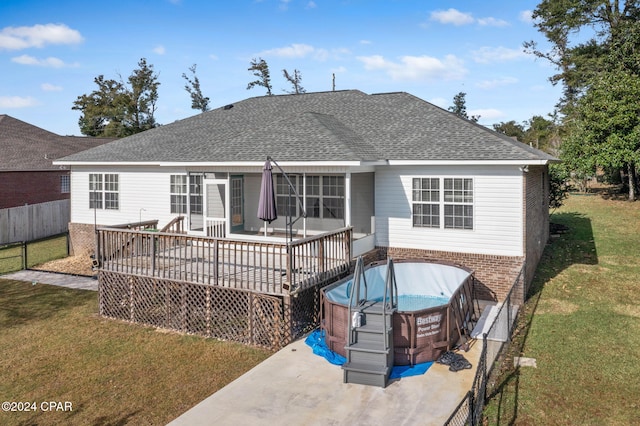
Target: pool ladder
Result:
[[369, 349]]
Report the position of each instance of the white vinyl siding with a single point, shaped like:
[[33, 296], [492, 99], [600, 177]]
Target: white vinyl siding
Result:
[[497, 211], [142, 194]]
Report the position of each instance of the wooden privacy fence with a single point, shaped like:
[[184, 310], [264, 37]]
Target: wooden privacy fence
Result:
[[34, 221], [265, 267]]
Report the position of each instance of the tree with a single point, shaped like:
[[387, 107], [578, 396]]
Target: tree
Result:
[[198, 100], [459, 107], [118, 110], [595, 49], [559, 186], [607, 125], [260, 70], [144, 96], [581, 34], [295, 80], [540, 133], [510, 128]]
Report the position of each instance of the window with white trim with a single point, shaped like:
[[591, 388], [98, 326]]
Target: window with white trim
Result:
[[285, 197], [178, 194], [458, 203], [333, 197], [324, 196], [426, 202], [442, 202], [195, 193], [104, 191]]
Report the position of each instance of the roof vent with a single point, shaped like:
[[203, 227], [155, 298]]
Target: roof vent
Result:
[[226, 107]]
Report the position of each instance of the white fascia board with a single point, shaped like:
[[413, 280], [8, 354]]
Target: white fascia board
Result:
[[104, 163], [260, 163], [221, 163], [467, 162]]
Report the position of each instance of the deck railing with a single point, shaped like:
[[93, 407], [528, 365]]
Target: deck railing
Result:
[[267, 267]]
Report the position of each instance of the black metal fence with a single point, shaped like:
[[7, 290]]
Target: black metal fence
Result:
[[494, 342], [25, 254]]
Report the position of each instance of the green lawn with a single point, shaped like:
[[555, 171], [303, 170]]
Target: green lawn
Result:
[[581, 324], [37, 253], [54, 347]]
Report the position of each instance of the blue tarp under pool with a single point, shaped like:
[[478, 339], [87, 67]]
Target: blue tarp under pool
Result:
[[316, 341]]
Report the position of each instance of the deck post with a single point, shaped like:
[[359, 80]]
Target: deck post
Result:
[[287, 328]]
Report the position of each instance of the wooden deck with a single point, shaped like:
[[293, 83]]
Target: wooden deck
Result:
[[270, 268]]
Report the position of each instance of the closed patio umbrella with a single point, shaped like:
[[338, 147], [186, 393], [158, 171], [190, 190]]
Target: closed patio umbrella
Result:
[[267, 202]]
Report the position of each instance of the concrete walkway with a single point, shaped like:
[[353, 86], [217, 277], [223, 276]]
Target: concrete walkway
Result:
[[54, 278], [294, 386]]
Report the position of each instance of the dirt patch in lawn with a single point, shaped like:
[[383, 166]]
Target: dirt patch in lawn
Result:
[[556, 306], [77, 265]]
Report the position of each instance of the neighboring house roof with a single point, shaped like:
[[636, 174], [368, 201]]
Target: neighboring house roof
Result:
[[336, 126], [25, 147]]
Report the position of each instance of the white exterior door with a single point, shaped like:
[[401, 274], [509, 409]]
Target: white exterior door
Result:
[[215, 196]]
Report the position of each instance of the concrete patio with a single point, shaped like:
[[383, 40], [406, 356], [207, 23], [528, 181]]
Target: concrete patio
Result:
[[295, 386]]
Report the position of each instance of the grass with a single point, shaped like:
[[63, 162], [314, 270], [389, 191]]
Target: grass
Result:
[[54, 347], [37, 252], [581, 323]]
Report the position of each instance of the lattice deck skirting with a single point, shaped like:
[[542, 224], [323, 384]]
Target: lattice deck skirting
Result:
[[239, 315]]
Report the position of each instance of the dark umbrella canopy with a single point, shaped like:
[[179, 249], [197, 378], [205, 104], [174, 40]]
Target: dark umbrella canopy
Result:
[[267, 203]]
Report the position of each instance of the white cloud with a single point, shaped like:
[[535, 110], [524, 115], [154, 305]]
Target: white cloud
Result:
[[48, 87], [491, 84], [413, 68], [49, 62], [451, 16], [17, 102], [365, 41], [159, 49], [293, 51], [526, 16], [487, 55], [214, 57], [16, 38], [311, 5], [492, 22], [486, 114]]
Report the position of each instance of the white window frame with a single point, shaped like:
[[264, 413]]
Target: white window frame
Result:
[[425, 197], [104, 191], [178, 192], [447, 204], [458, 197]]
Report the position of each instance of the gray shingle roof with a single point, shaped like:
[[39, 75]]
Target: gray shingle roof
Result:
[[25, 147], [325, 126]]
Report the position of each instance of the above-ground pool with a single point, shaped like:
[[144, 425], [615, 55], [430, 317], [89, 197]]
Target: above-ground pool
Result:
[[435, 306]]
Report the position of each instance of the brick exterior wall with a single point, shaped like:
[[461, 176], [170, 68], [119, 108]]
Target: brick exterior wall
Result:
[[31, 187], [494, 274], [82, 239]]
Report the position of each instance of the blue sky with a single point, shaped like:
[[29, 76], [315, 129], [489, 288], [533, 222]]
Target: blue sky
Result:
[[50, 52]]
